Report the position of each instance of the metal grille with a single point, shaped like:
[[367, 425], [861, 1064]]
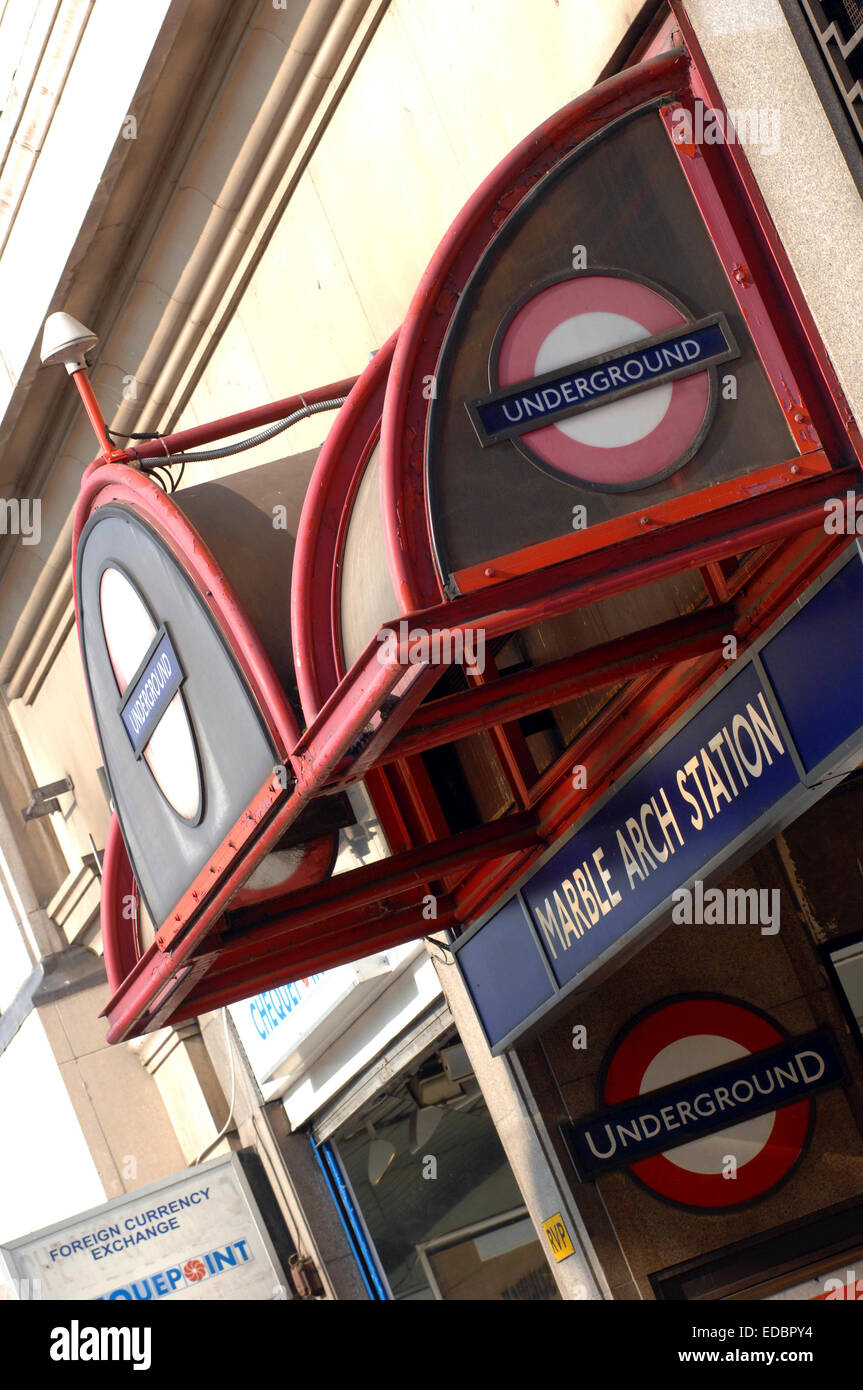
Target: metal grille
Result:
[[838, 27], [847, 14]]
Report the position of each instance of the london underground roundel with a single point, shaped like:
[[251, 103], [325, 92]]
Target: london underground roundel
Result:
[[170, 751], [603, 379], [695, 1037], [184, 744], [584, 350]]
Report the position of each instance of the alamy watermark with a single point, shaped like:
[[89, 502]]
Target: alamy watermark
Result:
[[416, 646], [21, 516], [77, 1343], [750, 126], [720, 907], [843, 516]]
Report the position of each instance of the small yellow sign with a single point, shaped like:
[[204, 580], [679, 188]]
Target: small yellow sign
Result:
[[558, 1237]]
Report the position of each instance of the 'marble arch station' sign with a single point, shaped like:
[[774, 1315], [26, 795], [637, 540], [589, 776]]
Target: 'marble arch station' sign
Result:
[[784, 723], [599, 446]]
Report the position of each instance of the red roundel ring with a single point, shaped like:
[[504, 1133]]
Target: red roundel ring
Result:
[[680, 1038], [628, 443]]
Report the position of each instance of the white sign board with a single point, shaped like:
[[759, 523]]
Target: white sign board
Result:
[[283, 1028], [199, 1235]]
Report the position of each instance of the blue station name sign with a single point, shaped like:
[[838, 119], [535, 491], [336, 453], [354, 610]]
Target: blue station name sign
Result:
[[610, 376], [749, 759], [150, 691], [703, 1104]]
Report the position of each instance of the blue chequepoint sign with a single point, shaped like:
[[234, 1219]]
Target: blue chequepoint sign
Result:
[[599, 380], [748, 761], [150, 692]]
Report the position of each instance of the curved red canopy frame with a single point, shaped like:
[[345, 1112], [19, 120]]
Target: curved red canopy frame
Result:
[[408, 540], [375, 719], [325, 511]]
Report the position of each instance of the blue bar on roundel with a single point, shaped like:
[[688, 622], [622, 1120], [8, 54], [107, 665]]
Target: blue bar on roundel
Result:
[[529, 405], [150, 692]]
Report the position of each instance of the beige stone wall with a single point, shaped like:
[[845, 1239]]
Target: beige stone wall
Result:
[[445, 89], [119, 1109], [59, 739], [47, 1167], [810, 193]]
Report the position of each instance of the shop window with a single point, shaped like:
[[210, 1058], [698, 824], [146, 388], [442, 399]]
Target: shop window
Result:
[[438, 1201], [494, 1260]]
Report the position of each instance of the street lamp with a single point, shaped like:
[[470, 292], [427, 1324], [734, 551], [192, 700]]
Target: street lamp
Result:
[[65, 342]]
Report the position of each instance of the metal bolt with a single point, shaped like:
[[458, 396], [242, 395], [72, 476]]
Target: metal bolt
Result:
[[795, 468], [644, 521], [799, 417], [489, 572]]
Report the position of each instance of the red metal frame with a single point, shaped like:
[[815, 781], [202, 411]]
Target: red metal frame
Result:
[[759, 275], [118, 892], [329, 754], [198, 435], [402, 797], [766, 256], [651, 519], [375, 721], [543, 687], [110, 452], [319, 542]]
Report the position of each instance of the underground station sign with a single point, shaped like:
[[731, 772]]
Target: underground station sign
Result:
[[705, 1101], [579, 376], [760, 747], [652, 379], [150, 694]]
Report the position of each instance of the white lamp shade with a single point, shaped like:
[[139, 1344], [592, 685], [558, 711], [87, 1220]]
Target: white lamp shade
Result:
[[65, 339]]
